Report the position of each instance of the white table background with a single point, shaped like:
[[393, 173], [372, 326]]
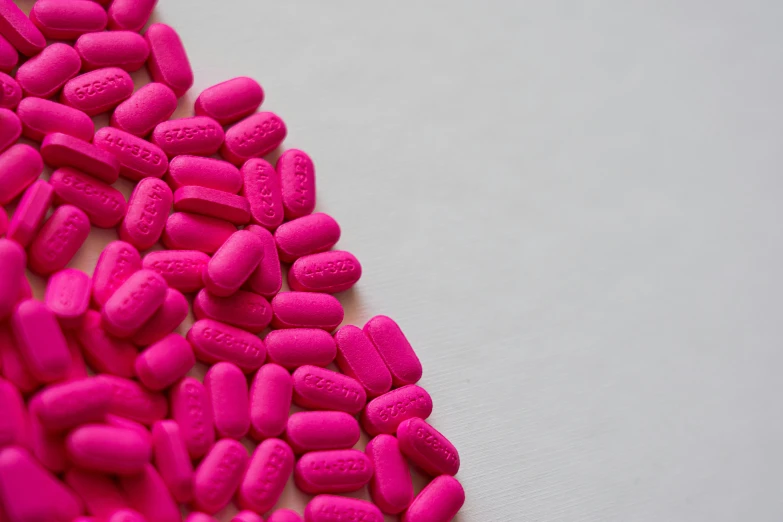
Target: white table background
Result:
[[574, 210]]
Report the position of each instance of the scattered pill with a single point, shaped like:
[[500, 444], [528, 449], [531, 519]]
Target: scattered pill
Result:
[[60, 21], [41, 117], [198, 135], [165, 362], [219, 475], [147, 107], [165, 320], [134, 302], [12, 264], [139, 159], [148, 210], [231, 100], [10, 128], [10, 92], [108, 449], [20, 166], [297, 182], [19, 30], [47, 446], [68, 405], [328, 272], [321, 389], [321, 430], [394, 349], [306, 310], [253, 137], [41, 341], [9, 56], [103, 204], [14, 368], [98, 91], [214, 203], [333, 471], [58, 240], [245, 310], [270, 401], [358, 358], [439, 501], [261, 187], [68, 296], [213, 342], [45, 74], [62, 150], [172, 460], [13, 422], [187, 170], [168, 63], [391, 487], [118, 261], [233, 263], [104, 352], [191, 410], [327, 508], [385, 413], [132, 401], [266, 476], [427, 447], [306, 235], [227, 391], [124, 49], [147, 493], [295, 347], [268, 277], [186, 231], [130, 15], [99, 492], [180, 268]]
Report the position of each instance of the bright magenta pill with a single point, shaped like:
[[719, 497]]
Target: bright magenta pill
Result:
[[328, 272], [100, 492], [108, 449], [130, 15], [180, 268], [147, 107], [14, 367], [185, 231], [306, 310], [233, 263], [211, 173], [106, 353], [328, 508], [306, 235], [395, 350], [439, 501], [134, 302], [124, 49], [11, 92], [427, 447], [295, 347], [9, 56], [62, 150], [20, 32], [172, 460], [48, 446], [10, 128], [270, 401], [244, 310], [334, 471], [70, 404], [247, 516], [231, 100], [12, 264], [385, 413], [165, 362], [192, 412], [168, 62], [98, 91], [103, 204], [19, 167], [219, 475], [195, 516], [68, 296], [321, 389], [126, 515], [147, 493], [43, 75], [58, 240], [214, 203], [139, 159], [266, 476], [41, 341], [199, 135], [297, 181], [132, 401], [214, 341], [284, 515], [391, 487], [252, 137], [267, 278], [166, 319], [148, 210], [321, 430], [262, 190], [227, 391], [13, 423], [358, 358], [41, 117], [115, 265], [58, 20]]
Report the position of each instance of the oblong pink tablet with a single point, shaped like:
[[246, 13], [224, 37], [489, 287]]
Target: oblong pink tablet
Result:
[[262, 190], [103, 204], [132, 401], [357, 357], [439, 501], [70, 404], [68, 296], [306, 235], [384, 413], [20, 166], [253, 137], [126, 515], [100, 493], [139, 159], [231, 100], [295, 347], [334, 471], [214, 342], [233, 263], [10, 128], [78, 366], [14, 368], [134, 302], [244, 310], [124, 49], [327, 508], [148, 210], [130, 15], [98, 91], [108, 449], [266, 476], [214, 203], [13, 423], [168, 62], [166, 319], [43, 75], [306, 310], [11, 92], [12, 264], [61, 21], [180, 268], [9, 56], [321, 430], [58, 240], [48, 446], [219, 475], [270, 401], [198, 135], [391, 487], [267, 279], [121, 422], [185, 231], [147, 107], [106, 353], [211, 173], [297, 181], [41, 117], [395, 350], [62, 150], [192, 412], [172, 460], [165, 362], [328, 272], [427, 447], [321, 389], [147, 493], [284, 515], [20, 32], [227, 391], [41, 341], [115, 265]]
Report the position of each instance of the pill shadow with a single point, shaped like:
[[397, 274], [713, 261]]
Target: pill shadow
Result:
[[354, 306]]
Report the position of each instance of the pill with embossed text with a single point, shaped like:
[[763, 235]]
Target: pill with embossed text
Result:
[[262, 189], [134, 302], [191, 410], [328, 508], [139, 159], [213, 342], [58, 240], [333, 471], [321, 389], [103, 204], [330, 272], [245, 310], [384, 413], [198, 135], [180, 268], [98, 91], [266, 476], [148, 210], [253, 136], [219, 475], [297, 183], [62, 150], [68, 296], [427, 447]]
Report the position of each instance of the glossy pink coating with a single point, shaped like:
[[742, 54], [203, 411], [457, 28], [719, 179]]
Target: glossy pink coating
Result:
[[191, 410], [168, 62], [357, 357], [100, 493], [321, 430], [147, 107], [186, 231], [253, 137], [439, 501], [104, 352], [41, 117], [187, 170], [47, 446], [328, 508], [333, 471], [284, 515], [29, 492], [14, 368], [262, 190], [270, 401], [121, 422], [165, 362], [130, 15], [40, 341], [124, 49], [148, 210], [166, 319], [98, 91], [58, 240], [195, 516], [118, 261], [219, 475], [328, 272], [427, 447], [147, 493], [297, 181], [12, 264], [180, 268], [267, 279], [103, 204], [70, 404], [126, 515], [385, 413], [233, 263], [198, 135], [108, 449], [20, 166], [78, 367], [13, 422], [306, 310], [132, 401], [9, 56], [139, 159], [68, 296], [11, 92], [62, 150], [247, 516], [391, 487], [58, 20], [394, 349], [317, 388], [20, 32], [244, 310], [134, 302], [231, 100], [295, 347], [214, 203], [214, 342], [306, 235], [266, 476], [172, 460], [10, 128], [227, 391], [45, 74]]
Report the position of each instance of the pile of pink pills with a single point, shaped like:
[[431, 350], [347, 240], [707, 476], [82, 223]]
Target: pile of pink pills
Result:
[[101, 417]]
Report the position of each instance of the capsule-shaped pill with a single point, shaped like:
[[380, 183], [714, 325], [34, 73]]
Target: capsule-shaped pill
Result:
[[186, 231], [166, 319], [58, 240], [43, 75], [19, 30], [20, 166], [334, 471], [439, 501], [306, 310], [14, 367], [395, 350], [126, 515], [227, 390], [13, 422], [130, 15], [427, 447], [192, 412], [306, 235], [270, 401], [64, 406], [103, 204], [172, 460], [9, 56], [267, 279], [106, 353], [266, 476], [321, 430], [98, 91], [148, 210], [68, 296], [139, 159], [391, 487], [253, 137], [124, 49], [108, 449], [321, 389], [147, 107], [58, 20], [147, 493], [11, 92], [214, 203], [295, 347], [244, 310], [214, 342], [100, 492], [41, 117], [121, 422], [199, 135], [231, 100], [186, 170], [118, 261], [62, 150], [165, 362], [12, 264], [261, 187], [233, 263], [284, 515], [357, 357], [297, 182], [41, 341], [219, 475], [168, 62], [134, 302], [47, 446], [180, 268], [10, 128], [132, 401], [327, 508], [328, 272], [385, 413], [78, 367]]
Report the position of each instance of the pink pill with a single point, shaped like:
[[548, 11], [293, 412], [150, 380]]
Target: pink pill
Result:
[[244, 310], [358, 358], [68, 21], [322, 430], [165, 362], [284, 515], [12, 264], [306, 310], [214, 203], [199, 135], [11, 92], [139, 159], [231, 100], [219, 475], [266, 476], [103, 204], [262, 190], [391, 487], [172, 460], [134, 302], [185, 231], [120, 422], [130, 15], [247, 516], [295, 347], [68, 296], [395, 350], [267, 278], [297, 182], [48, 446], [118, 261], [13, 422], [427, 447], [126, 515], [100, 493], [147, 493], [14, 368], [58, 240], [227, 390], [62, 150], [233, 263], [334, 471], [214, 341], [327, 508], [253, 137], [43, 75], [192, 412], [29, 492], [41, 117], [106, 353], [166, 319], [329, 272], [148, 210], [147, 107], [168, 62], [20, 166], [10, 128], [211, 173], [9, 56], [78, 367], [439, 501], [3, 222], [180, 268], [385, 413], [108, 449], [19, 30], [98, 91], [195, 516], [41, 341], [132, 401], [321, 389], [306, 235], [71, 404], [124, 49], [270, 401]]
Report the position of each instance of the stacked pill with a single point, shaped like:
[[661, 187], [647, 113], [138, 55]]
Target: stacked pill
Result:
[[103, 418]]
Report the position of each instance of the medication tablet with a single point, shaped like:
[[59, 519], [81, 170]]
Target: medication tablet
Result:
[[62, 150], [270, 401], [391, 487], [147, 493], [427, 448], [268, 277], [120, 422], [10, 92], [172, 460], [108, 449], [9, 56], [103, 204], [168, 62], [130, 15], [195, 516], [10, 128], [48, 446], [134, 302], [394, 349], [306, 235], [439, 501], [98, 91], [185, 231], [180, 268], [383, 414], [64, 406], [247, 516], [198, 135], [61, 21], [214, 342], [41, 341], [106, 353], [227, 391], [297, 182], [166, 319], [192, 412], [321, 389], [115, 265], [253, 137], [20, 32], [233, 263], [165, 362], [132, 401], [328, 272], [306, 310], [219, 475], [139, 159], [214, 203], [244, 310], [231, 100], [124, 49], [211, 173], [14, 368], [13, 423], [12, 264], [335, 471], [284, 515], [148, 210], [358, 358], [321, 430], [147, 107], [58, 240], [297, 347], [78, 367], [19, 167], [100, 493], [262, 189], [68, 296], [43, 75], [327, 508], [266, 476], [41, 117]]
